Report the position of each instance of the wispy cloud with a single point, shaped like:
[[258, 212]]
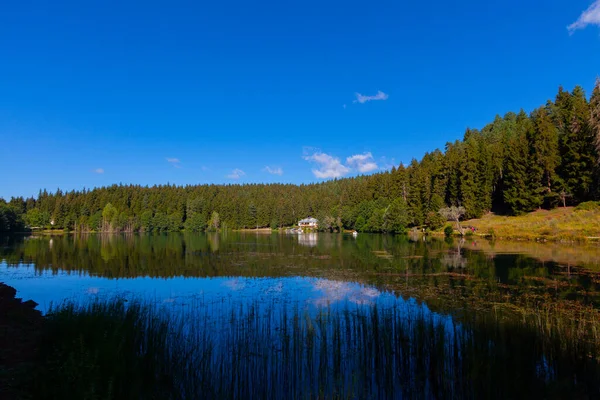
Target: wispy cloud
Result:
[[361, 98], [386, 164], [174, 162], [274, 170], [329, 166], [99, 170], [591, 16], [362, 162], [236, 174]]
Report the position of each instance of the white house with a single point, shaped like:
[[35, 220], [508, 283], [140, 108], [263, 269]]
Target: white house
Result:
[[308, 223]]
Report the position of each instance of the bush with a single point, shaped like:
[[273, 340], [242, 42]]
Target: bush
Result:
[[588, 206], [448, 231]]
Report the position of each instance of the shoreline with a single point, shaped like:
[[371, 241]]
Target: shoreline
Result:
[[438, 234]]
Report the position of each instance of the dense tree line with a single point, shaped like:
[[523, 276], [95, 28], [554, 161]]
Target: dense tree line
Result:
[[515, 164]]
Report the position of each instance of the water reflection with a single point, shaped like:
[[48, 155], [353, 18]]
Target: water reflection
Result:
[[49, 288], [454, 257], [335, 291], [332, 281], [429, 269], [308, 239]]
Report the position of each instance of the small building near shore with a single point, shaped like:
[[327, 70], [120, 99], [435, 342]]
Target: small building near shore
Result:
[[308, 223]]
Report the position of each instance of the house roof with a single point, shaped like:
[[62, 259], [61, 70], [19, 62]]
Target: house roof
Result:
[[308, 221]]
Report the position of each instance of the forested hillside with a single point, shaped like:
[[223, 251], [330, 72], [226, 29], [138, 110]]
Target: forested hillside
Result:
[[515, 164]]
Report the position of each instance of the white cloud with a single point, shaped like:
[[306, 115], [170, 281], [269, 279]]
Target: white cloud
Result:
[[274, 170], [99, 170], [362, 162], [591, 16], [236, 174], [329, 166], [174, 161], [361, 98]]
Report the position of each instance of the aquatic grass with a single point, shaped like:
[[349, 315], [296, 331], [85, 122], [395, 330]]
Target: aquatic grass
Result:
[[104, 350], [117, 349]]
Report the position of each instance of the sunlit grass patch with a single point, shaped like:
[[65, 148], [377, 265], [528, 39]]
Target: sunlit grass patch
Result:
[[561, 224]]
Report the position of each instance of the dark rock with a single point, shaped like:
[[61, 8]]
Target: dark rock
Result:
[[30, 304]]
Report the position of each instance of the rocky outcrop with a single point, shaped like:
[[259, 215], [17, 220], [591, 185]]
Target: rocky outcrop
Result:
[[20, 325]]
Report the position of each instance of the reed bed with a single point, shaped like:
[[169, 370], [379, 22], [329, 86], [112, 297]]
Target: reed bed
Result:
[[118, 349]]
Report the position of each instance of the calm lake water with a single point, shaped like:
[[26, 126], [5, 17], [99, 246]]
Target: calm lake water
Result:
[[331, 315], [309, 269]]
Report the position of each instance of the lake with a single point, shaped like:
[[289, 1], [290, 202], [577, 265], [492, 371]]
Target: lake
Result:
[[546, 293], [317, 268]]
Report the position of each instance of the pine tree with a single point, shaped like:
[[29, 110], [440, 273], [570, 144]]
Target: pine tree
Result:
[[544, 155], [470, 175], [517, 192], [595, 131], [595, 117], [575, 143]]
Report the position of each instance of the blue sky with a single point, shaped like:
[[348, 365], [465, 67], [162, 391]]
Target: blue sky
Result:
[[98, 92]]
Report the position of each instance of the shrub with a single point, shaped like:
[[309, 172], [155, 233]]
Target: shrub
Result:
[[448, 231], [588, 206]]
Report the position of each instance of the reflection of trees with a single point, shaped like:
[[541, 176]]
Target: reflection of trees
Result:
[[454, 257], [213, 241], [420, 264]]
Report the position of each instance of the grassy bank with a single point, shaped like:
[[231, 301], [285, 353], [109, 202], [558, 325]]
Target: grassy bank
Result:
[[113, 350], [562, 224]]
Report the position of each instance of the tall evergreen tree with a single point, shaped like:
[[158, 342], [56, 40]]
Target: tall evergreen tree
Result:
[[470, 175], [595, 131], [517, 192], [544, 155], [575, 143], [595, 116]]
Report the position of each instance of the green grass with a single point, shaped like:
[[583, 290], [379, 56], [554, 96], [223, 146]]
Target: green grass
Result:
[[116, 350]]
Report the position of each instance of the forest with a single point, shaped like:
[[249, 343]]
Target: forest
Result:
[[516, 164]]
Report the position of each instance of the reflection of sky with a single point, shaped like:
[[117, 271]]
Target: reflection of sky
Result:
[[48, 288], [216, 303], [336, 291]]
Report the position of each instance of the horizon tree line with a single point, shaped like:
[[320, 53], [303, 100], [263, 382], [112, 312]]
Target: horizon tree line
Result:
[[516, 164]]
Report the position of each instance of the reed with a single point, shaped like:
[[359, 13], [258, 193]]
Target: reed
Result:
[[117, 349]]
